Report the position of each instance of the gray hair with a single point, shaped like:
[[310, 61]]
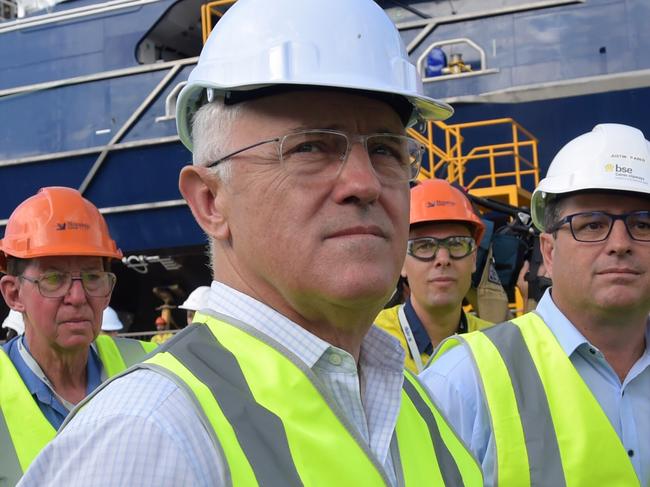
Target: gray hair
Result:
[[552, 209], [212, 127]]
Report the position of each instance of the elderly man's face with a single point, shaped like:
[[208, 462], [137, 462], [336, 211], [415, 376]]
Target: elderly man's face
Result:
[[62, 324], [606, 277], [304, 240]]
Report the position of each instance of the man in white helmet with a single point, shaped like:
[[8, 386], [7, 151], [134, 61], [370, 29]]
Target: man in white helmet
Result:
[[296, 116], [561, 395]]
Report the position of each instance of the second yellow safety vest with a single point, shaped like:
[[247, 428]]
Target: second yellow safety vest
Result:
[[389, 321], [549, 429], [24, 430]]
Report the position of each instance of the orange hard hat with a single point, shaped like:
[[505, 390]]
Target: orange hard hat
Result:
[[56, 221], [435, 200]]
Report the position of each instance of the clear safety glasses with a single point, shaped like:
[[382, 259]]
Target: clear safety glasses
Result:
[[98, 284], [322, 153]]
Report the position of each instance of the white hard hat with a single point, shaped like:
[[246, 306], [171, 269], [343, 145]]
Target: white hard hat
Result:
[[321, 43], [110, 321], [14, 320], [197, 299], [610, 157]]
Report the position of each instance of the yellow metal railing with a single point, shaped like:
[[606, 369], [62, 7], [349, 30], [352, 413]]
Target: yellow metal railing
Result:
[[209, 11], [502, 162]]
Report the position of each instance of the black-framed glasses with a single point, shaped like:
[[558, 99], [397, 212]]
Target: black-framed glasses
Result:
[[426, 248], [595, 226], [56, 284], [323, 152]]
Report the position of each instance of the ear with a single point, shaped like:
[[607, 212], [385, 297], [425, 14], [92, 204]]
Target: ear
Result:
[[547, 248], [205, 195], [10, 292], [474, 257]]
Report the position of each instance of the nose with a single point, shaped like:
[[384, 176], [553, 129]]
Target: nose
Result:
[[442, 258], [356, 180], [619, 240], [76, 294]]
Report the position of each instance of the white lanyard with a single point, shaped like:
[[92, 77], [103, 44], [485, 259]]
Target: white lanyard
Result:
[[410, 339], [34, 367]]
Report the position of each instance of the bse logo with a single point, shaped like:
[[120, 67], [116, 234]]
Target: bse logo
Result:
[[618, 169]]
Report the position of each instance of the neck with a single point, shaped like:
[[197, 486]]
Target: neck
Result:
[[439, 322], [66, 370], [619, 336]]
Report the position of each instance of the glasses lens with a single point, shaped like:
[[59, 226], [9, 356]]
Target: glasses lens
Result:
[[394, 157], [638, 225], [54, 284], [313, 152], [98, 284], [458, 247], [423, 248], [590, 227]]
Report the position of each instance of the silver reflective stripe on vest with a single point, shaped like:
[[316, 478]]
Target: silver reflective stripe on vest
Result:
[[541, 443], [448, 468], [131, 350], [260, 433], [10, 470]]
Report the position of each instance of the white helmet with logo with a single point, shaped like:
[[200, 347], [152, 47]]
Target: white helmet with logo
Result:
[[322, 43], [611, 157], [197, 299]]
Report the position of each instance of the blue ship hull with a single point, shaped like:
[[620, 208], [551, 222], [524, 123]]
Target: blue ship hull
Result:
[[87, 93]]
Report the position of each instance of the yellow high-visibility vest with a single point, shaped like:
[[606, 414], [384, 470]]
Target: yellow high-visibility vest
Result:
[[548, 427], [275, 427], [24, 430]]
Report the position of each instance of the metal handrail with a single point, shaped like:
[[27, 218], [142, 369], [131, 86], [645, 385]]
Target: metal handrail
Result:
[[520, 149]]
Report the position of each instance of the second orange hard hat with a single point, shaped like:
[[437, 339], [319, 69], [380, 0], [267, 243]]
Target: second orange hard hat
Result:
[[435, 200], [56, 221]]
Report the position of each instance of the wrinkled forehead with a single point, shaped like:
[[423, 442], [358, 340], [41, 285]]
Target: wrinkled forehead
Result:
[[440, 229], [66, 263], [608, 201]]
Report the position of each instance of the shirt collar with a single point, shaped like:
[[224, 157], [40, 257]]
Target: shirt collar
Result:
[[420, 334], [568, 336], [306, 346], [566, 333]]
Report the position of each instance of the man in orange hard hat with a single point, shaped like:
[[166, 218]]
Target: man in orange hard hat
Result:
[[441, 257], [56, 255]]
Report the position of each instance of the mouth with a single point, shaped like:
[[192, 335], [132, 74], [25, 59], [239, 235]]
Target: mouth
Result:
[[619, 271], [442, 279], [359, 231]]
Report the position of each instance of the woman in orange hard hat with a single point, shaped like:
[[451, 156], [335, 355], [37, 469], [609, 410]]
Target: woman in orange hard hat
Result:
[[441, 257]]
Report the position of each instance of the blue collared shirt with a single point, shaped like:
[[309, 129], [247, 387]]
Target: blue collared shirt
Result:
[[422, 339], [54, 411], [453, 382]]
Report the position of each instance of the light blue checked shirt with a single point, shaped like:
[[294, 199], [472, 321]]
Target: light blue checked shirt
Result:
[[142, 430], [453, 382]]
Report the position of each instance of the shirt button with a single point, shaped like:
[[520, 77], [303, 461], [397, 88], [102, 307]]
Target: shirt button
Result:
[[335, 359], [630, 453]]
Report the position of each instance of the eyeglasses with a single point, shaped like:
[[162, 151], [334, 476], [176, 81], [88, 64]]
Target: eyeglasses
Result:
[[97, 284], [426, 248], [319, 153], [595, 226]]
